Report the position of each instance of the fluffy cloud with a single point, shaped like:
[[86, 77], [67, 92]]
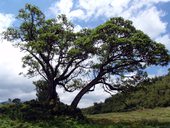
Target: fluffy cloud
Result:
[[144, 13], [11, 84], [165, 39], [85, 9], [5, 21], [150, 22], [77, 28], [65, 7], [62, 7]]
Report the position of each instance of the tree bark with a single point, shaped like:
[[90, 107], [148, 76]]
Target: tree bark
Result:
[[52, 96]]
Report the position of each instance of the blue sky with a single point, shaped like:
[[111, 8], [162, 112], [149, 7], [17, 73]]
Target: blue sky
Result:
[[151, 16]]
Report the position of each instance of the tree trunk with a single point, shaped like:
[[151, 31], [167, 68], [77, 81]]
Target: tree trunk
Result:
[[52, 96], [82, 92]]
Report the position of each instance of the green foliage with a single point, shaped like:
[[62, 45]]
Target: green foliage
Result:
[[42, 91]]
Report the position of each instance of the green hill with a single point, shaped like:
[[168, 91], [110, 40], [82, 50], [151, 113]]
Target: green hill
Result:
[[152, 93]]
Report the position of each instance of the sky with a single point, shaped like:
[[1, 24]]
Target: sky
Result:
[[150, 16]]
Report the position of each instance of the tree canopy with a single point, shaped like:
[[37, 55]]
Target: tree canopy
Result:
[[85, 59]]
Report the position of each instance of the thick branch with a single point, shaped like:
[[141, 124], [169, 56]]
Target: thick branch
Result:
[[49, 67], [65, 88], [39, 61], [64, 75]]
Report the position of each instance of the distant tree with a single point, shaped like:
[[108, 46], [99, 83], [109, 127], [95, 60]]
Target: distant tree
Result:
[[16, 101], [9, 100]]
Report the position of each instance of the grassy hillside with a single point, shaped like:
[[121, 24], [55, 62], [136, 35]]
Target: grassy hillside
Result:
[[149, 94]]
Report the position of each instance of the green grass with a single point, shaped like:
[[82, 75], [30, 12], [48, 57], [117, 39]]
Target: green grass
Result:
[[161, 115], [158, 117], [148, 118], [59, 122]]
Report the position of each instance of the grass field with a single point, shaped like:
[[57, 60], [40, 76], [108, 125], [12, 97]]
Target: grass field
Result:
[[148, 118], [154, 117], [161, 115]]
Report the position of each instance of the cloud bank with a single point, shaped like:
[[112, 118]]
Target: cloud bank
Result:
[[11, 84]]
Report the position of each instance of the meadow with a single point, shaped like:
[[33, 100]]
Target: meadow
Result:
[[160, 115]]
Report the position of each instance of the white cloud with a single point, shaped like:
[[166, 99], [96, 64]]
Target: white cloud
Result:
[[77, 28], [5, 21], [76, 13], [165, 39], [10, 58], [9, 55], [11, 84], [87, 10], [150, 22], [62, 7]]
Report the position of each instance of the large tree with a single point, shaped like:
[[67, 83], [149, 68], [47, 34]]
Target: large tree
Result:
[[51, 48], [120, 50], [85, 59]]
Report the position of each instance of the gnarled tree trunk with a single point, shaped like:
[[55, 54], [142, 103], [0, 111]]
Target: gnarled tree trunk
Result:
[[82, 92]]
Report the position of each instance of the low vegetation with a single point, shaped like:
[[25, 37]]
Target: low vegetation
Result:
[[148, 118], [60, 122]]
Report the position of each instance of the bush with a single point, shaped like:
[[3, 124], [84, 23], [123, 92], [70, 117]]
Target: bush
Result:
[[33, 110]]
